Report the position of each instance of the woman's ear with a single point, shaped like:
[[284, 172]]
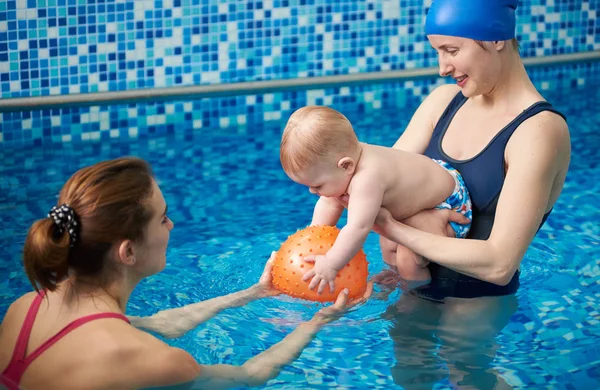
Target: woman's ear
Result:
[[126, 253], [499, 45], [347, 164]]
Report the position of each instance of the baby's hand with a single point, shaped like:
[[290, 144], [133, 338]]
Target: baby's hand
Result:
[[321, 273]]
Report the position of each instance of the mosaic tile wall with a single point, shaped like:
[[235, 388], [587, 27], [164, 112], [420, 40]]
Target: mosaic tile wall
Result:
[[51, 47], [246, 113]]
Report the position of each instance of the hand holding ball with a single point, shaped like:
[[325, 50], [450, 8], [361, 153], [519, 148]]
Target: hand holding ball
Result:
[[288, 267]]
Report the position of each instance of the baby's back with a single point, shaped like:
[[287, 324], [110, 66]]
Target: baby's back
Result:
[[412, 182]]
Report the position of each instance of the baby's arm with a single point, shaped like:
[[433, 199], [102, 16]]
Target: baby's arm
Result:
[[327, 212], [363, 206]]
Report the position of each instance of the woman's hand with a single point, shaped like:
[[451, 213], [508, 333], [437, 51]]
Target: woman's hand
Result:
[[382, 221], [264, 287], [331, 313], [268, 364], [436, 221]]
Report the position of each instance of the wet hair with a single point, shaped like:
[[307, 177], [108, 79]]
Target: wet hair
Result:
[[111, 203], [314, 132], [514, 41]]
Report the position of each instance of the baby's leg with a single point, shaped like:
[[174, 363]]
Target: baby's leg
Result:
[[388, 277], [388, 251], [405, 266], [411, 266]]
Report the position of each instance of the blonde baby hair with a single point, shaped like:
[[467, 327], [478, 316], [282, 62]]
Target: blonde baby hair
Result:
[[314, 132]]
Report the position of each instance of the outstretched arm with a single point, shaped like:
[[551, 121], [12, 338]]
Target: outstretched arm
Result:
[[537, 157], [327, 212], [180, 367], [176, 322], [363, 206]]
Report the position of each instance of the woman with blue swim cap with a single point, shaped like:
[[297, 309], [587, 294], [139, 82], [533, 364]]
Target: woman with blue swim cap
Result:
[[492, 125], [512, 149]]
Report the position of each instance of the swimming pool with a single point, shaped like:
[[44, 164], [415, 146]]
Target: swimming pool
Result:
[[232, 204]]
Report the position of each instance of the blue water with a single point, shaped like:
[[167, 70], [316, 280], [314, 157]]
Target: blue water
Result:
[[232, 204]]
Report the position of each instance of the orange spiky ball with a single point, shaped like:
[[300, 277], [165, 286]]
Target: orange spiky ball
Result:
[[288, 267]]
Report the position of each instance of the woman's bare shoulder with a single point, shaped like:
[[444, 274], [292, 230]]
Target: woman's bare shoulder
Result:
[[142, 360], [445, 90], [546, 127], [18, 309], [443, 94]]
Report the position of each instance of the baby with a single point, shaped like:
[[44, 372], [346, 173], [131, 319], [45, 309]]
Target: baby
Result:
[[319, 149]]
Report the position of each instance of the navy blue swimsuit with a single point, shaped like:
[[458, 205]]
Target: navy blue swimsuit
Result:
[[484, 177]]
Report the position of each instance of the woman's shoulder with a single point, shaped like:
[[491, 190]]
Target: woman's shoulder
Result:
[[24, 300], [546, 126], [437, 101], [119, 357], [444, 93], [143, 360], [546, 118], [11, 326], [110, 350], [111, 354], [547, 134], [18, 309]]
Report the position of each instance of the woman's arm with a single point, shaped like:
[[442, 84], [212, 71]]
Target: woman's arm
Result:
[[537, 156], [268, 364], [176, 322], [257, 370]]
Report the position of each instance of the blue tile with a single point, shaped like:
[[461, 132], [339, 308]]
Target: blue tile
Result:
[[353, 27]]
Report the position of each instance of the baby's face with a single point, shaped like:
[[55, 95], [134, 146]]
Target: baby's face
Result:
[[324, 179]]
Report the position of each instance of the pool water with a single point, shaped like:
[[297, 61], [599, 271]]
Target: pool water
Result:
[[232, 204]]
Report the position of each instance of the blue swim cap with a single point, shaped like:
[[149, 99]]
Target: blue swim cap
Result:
[[483, 20]]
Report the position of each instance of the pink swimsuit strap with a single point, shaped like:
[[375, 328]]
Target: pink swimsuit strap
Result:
[[11, 376]]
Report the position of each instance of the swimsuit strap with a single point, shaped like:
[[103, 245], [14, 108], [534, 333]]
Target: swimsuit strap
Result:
[[23, 339], [69, 328], [11, 376]]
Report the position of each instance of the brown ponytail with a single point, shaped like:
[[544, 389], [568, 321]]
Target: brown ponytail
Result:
[[110, 201], [45, 257]]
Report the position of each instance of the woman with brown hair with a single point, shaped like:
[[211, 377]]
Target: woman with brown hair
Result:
[[109, 231]]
